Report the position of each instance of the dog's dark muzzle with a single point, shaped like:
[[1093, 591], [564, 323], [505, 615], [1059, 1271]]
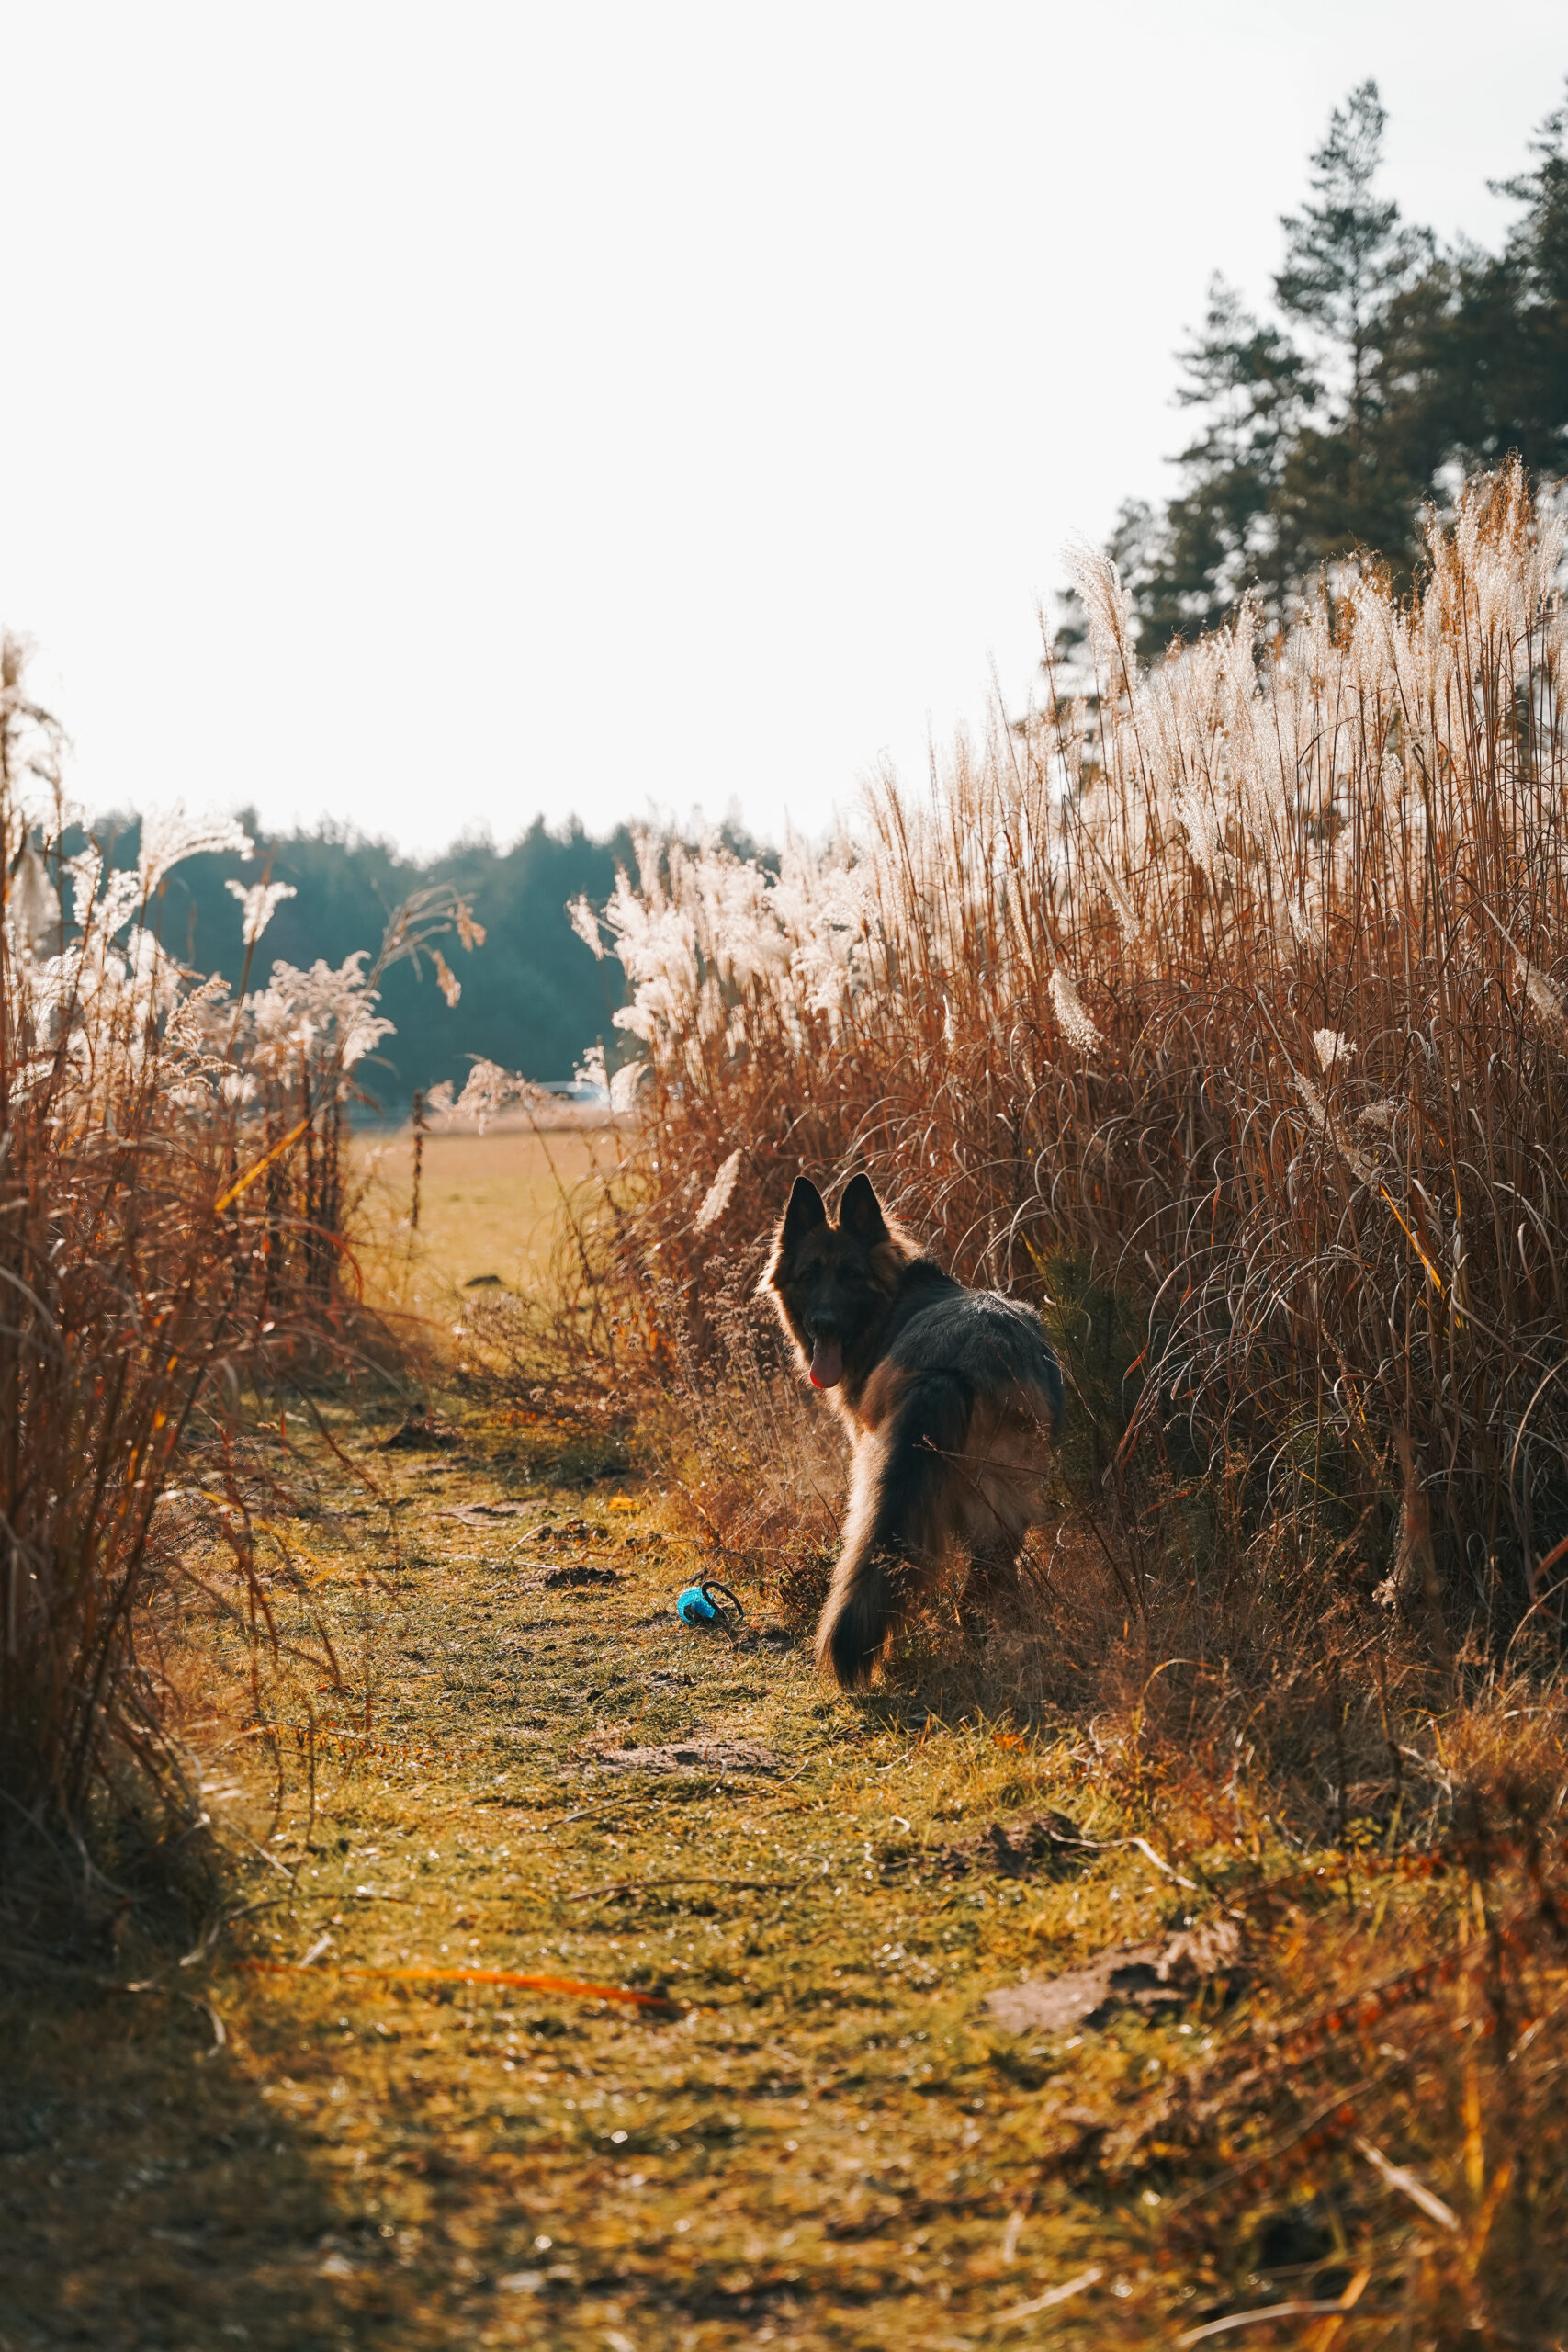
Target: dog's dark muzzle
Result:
[[826, 1356]]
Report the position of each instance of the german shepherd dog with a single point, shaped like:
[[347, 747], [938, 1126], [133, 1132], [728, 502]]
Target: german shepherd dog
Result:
[[951, 1396]]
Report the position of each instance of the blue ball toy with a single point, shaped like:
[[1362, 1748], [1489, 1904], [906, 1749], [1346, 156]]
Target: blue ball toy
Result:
[[707, 1603]]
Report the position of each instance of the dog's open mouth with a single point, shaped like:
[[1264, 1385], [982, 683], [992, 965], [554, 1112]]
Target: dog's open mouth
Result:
[[827, 1363]]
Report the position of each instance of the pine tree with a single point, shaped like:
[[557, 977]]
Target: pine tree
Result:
[[1224, 532], [1319, 440], [1356, 278], [1348, 254], [1498, 371]]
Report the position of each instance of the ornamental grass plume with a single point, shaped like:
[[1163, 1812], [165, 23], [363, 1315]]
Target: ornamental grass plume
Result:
[[1077, 1027], [1062, 1004], [171, 1229], [258, 904], [716, 1199]]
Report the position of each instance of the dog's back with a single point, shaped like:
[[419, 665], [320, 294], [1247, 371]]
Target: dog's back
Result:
[[951, 1395]]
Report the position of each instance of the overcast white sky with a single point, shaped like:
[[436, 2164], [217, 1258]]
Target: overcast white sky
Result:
[[429, 417]]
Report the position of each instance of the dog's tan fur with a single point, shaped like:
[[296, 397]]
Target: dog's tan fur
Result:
[[951, 1397]]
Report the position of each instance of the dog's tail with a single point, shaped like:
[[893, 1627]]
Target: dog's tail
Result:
[[897, 1520]]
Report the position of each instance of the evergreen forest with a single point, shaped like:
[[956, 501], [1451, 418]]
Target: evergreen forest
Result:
[[531, 997], [1387, 370]]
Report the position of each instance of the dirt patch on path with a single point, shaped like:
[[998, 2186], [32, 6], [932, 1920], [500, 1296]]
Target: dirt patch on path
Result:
[[692, 1756]]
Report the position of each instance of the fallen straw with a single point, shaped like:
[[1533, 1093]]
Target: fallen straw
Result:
[[568, 1985]]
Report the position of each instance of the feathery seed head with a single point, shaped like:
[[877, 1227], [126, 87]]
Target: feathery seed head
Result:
[[1076, 1025]]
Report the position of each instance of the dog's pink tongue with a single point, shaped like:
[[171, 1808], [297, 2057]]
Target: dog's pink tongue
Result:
[[827, 1363]]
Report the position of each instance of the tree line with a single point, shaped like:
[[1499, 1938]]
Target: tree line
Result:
[[532, 997], [1391, 368]]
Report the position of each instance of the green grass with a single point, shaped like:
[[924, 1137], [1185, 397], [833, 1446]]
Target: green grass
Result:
[[824, 2140]]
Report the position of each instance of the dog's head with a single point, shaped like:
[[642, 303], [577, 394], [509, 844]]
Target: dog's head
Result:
[[830, 1282]]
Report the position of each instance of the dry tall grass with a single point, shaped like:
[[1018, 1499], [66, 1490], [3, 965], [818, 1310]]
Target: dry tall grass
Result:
[[171, 1233], [1237, 982], [1222, 1008]]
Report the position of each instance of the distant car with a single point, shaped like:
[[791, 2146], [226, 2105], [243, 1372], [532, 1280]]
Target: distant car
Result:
[[575, 1089]]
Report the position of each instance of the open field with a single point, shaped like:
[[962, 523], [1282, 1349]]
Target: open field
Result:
[[490, 1209]]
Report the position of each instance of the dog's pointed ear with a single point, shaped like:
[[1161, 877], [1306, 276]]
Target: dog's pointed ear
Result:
[[860, 1214], [805, 1214]]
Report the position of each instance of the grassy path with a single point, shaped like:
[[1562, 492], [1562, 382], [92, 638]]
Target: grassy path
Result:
[[822, 2141], [818, 2141]]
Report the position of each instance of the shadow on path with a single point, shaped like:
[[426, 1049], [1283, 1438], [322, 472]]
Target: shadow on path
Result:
[[152, 2197]]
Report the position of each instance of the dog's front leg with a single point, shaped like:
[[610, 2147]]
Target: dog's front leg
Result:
[[991, 1589]]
